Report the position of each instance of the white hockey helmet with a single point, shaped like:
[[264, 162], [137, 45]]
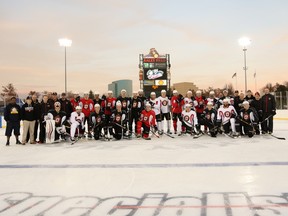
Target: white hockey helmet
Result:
[[211, 93], [198, 92], [188, 105], [110, 92], [209, 103], [123, 90], [189, 92], [245, 103], [175, 92], [153, 93], [163, 91], [226, 100], [140, 90], [78, 108], [97, 105], [147, 104]]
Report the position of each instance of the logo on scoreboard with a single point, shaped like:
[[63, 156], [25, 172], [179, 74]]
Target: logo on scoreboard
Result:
[[154, 74]]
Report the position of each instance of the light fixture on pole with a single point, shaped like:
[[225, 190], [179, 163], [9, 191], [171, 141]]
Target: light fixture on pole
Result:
[[244, 42], [64, 42]]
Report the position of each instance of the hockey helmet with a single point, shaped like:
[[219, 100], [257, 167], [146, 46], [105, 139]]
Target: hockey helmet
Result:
[[209, 103], [96, 105], [226, 100], [78, 108], [175, 92]]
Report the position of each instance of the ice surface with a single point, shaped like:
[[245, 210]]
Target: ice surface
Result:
[[167, 177]]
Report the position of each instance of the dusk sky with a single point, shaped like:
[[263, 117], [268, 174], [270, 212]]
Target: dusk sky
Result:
[[108, 36]]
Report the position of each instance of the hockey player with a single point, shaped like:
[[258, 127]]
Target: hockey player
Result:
[[165, 111], [136, 108], [142, 97], [66, 105], [77, 122], [97, 99], [249, 96], [108, 104], [156, 107], [124, 100], [126, 104], [87, 106], [269, 110], [177, 101], [247, 119], [200, 104], [119, 121], [226, 116], [209, 118], [226, 96], [189, 120], [60, 119], [147, 120], [75, 101], [189, 99], [96, 120], [257, 105], [212, 99], [44, 109]]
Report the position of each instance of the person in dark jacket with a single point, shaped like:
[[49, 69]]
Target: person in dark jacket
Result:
[[268, 110], [45, 106], [36, 106], [28, 116], [66, 105], [257, 105], [12, 116]]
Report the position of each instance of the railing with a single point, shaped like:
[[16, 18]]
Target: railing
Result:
[[281, 100]]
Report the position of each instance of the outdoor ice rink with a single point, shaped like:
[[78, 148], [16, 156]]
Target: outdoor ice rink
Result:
[[167, 177]]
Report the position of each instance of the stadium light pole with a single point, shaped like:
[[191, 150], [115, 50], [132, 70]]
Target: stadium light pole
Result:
[[64, 42], [244, 42]]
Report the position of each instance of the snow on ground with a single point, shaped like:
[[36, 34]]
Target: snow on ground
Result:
[[165, 176]]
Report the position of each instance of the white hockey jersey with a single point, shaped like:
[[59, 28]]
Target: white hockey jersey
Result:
[[190, 118], [165, 104], [224, 114], [156, 105], [75, 117], [189, 101]]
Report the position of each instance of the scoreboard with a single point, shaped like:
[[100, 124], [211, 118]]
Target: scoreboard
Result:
[[154, 74]]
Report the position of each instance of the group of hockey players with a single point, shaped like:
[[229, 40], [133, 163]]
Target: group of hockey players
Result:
[[109, 117]]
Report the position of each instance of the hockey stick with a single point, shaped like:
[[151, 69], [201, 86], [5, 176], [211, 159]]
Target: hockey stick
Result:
[[280, 138], [154, 133], [254, 131], [169, 135], [266, 119], [124, 128]]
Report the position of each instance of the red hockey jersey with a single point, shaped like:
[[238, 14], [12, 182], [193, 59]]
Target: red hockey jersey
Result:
[[74, 104], [148, 118], [177, 103], [87, 106], [108, 105]]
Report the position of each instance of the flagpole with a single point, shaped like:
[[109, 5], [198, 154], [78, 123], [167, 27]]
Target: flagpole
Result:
[[236, 82], [255, 81]]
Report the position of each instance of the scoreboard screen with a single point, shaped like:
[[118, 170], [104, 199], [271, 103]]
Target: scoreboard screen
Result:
[[155, 74]]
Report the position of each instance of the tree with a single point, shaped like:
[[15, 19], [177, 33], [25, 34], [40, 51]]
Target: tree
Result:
[[269, 86], [91, 94], [34, 92], [8, 91]]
